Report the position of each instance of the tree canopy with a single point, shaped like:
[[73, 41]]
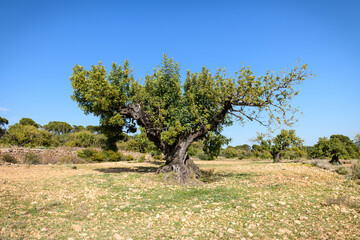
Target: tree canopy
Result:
[[3, 122], [174, 114], [337, 147], [29, 121], [58, 127], [275, 145]]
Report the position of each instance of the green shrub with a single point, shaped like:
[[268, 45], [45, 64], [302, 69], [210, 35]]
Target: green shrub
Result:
[[156, 154], [86, 153], [356, 170], [83, 139], [98, 156], [27, 136], [31, 158], [113, 156], [9, 158], [203, 156], [342, 170], [142, 159], [230, 152], [129, 157]]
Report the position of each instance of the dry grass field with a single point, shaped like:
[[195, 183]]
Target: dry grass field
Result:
[[124, 200]]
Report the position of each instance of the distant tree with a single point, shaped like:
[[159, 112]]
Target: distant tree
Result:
[[93, 129], [173, 115], [3, 122], [58, 127], [29, 121], [276, 145], [26, 136], [337, 147], [212, 144], [244, 151], [78, 128], [84, 139]]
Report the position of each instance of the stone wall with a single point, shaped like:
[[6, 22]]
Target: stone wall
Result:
[[53, 156], [46, 155]]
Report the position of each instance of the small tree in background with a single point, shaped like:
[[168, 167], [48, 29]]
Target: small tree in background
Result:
[[27, 136], [78, 128], [3, 122], [29, 122], [276, 145], [337, 147], [58, 127]]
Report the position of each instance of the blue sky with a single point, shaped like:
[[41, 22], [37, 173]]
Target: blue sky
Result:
[[42, 40]]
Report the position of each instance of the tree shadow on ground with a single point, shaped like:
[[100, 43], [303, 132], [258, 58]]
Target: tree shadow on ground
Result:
[[139, 169]]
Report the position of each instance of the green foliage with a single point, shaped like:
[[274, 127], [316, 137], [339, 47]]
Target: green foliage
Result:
[[86, 153], [285, 140], [27, 136], [129, 157], [113, 156], [142, 158], [58, 127], [171, 113], [342, 170], [337, 147], [83, 139], [212, 144], [28, 121], [31, 158], [8, 158], [140, 143], [78, 128], [101, 156], [3, 122], [230, 152], [204, 156]]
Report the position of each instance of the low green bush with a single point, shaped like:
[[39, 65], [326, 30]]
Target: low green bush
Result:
[[142, 159], [86, 153], [129, 157], [31, 158], [113, 156], [342, 170], [203, 156], [8, 158]]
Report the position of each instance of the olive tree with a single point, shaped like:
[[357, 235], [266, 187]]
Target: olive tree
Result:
[[175, 113], [337, 147], [276, 145]]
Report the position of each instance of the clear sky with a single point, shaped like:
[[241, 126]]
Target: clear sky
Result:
[[42, 40]]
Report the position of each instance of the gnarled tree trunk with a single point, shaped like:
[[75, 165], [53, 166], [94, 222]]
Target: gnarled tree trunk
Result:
[[276, 157], [178, 161]]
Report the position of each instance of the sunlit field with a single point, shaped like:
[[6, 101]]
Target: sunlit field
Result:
[[127, 200]]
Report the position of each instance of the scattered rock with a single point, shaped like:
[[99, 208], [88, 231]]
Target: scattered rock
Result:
[[282, 203], [284, 231], [117, 237], [76, 227], [183, 231], [231, 231]]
